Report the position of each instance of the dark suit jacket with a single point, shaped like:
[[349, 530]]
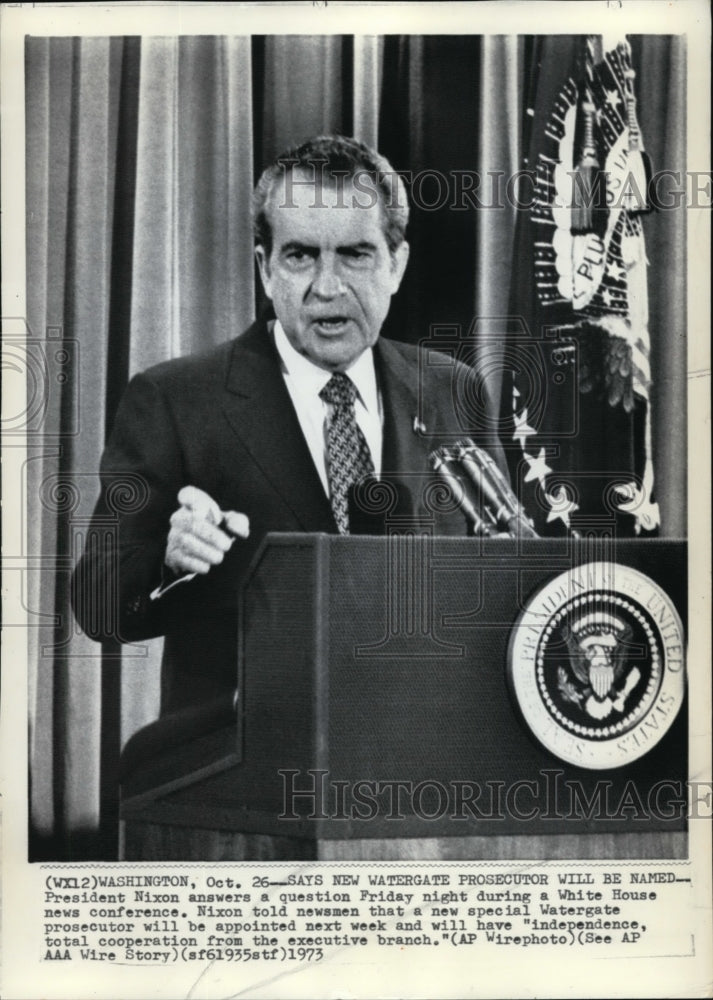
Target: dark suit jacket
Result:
[[224, 422]]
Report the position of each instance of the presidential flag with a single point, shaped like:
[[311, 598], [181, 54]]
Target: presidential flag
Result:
[[576, 398]]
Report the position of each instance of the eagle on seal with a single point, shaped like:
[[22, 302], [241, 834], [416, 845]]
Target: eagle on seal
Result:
[[597, 651]]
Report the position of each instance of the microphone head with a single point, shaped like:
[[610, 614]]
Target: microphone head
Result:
[[445, 462], [489, 502]]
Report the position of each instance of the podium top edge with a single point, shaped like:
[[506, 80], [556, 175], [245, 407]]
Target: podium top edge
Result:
[[308, 538]]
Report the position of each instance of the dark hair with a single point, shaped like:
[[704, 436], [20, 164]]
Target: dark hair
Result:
[[334, 157]]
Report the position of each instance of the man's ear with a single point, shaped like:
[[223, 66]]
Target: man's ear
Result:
[[263, 263], [399, 260]]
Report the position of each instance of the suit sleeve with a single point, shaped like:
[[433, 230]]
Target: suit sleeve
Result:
[[141, 472]]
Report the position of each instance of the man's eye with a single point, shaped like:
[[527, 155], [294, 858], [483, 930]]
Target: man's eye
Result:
[[355, 254], [298, 256]]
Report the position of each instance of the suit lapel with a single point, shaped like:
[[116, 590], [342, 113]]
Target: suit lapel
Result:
[[260, 412], [406, 448]]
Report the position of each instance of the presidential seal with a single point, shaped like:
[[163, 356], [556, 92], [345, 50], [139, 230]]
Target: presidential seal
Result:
[[596, 665]]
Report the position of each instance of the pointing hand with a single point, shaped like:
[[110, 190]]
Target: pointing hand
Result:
[[201, 533]]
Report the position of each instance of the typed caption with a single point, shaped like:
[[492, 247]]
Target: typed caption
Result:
[[140, 915]]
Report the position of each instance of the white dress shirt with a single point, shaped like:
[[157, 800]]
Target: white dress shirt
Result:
[[304, 381]]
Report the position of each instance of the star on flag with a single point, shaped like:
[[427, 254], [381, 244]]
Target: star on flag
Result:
[[522, 428], [561, 505], [612, 99], [538, 467], [615, 271]]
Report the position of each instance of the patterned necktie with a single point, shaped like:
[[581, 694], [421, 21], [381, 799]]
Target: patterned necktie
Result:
[[348, 455]]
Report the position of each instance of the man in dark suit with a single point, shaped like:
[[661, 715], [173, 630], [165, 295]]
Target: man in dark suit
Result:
[[272, 431]]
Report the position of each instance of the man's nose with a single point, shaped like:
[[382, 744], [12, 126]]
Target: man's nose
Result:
[[327, 282]]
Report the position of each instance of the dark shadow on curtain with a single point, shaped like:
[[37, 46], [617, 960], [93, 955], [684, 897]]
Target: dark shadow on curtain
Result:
[[428, 125]]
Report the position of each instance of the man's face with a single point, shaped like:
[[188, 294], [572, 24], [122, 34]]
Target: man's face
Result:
[[330, 274]]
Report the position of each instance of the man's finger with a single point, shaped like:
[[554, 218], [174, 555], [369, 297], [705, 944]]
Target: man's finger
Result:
[[185, 522], [236, 525], [191, 545], [212, 535], [200, 503]]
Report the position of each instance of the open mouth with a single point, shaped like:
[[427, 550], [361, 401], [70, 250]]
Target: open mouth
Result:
[[330, 324]]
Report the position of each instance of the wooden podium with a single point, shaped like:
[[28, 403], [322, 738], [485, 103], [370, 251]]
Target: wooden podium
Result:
[[375, 719]]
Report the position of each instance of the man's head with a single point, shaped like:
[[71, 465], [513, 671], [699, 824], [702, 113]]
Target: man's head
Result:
[[329, 222]]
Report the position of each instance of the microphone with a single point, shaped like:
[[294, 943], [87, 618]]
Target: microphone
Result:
[[443, 461], [493, 509]]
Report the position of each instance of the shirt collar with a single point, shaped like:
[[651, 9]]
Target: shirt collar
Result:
[[312, 378]]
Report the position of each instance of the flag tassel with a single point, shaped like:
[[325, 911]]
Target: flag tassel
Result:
[[639, 167], [589, 183]]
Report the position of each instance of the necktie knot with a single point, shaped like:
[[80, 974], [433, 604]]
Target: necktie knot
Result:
[[339, 391]]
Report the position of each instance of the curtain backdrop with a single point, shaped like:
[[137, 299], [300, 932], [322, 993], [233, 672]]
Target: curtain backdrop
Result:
[[141, 156]]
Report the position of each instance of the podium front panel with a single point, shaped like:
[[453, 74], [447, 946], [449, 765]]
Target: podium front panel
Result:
[[375, 702]]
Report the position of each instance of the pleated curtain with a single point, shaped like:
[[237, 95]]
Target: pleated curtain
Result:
[[141, 157], [139, 249]]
